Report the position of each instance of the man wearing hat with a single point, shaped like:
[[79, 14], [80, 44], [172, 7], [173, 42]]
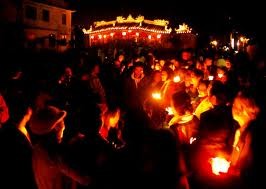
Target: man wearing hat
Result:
[[47, 128]]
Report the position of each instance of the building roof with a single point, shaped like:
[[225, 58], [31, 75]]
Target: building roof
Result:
[[130, 23]]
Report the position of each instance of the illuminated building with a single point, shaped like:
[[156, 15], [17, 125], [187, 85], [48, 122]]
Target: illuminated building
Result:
[[156, 33], [137, 30]]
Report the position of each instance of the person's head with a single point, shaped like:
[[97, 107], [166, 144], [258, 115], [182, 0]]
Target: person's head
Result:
[[138, 69], [196, 76], [203, 88], [93, 64], [175, 62], [121, 58], [157, 76], [186, 55], [181, 103], [244, 109], [218, 93], [68, 72], [221, 74], [208, 61], [49, 120]]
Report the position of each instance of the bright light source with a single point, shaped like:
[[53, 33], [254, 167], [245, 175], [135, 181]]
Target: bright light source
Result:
[[177, 79], [219, 165], [210, 77], [156, 95], [169, 111]]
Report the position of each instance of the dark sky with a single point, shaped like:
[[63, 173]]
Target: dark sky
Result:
[[204, 17]]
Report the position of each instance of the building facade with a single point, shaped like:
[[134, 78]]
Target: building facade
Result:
[[40, 23], [47, 24]]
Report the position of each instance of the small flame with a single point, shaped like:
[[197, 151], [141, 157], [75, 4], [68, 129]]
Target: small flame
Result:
[[156, 96], [219, 165], [192, 139], [113, 120], [177, 79], [169, 111], [210, 77]]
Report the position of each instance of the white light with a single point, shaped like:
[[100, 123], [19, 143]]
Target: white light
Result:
[[233, 43], [177, 79], [210, 77], [156, 95], [169, 111]]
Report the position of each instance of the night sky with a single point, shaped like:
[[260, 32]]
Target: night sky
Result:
[[204, 17]]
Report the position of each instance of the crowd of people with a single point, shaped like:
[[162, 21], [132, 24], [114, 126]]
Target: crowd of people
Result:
[[134, 121]]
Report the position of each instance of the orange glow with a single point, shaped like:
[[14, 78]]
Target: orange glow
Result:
[[177, 79], [159, 36], [137, 34], [113, 120], [124, 33], [156, 96], [149, 36], [219, 165]]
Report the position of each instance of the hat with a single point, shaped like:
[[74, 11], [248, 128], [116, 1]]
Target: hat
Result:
[[43, 121]]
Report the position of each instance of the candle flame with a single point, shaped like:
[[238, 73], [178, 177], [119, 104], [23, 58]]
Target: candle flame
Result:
[[156, 96], [177, 79]]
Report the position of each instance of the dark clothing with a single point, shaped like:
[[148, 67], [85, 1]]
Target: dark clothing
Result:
[[151, 162], [15, 160], [134, 95], [217, 127], [49, 170], [93, 156], [216, 135]]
